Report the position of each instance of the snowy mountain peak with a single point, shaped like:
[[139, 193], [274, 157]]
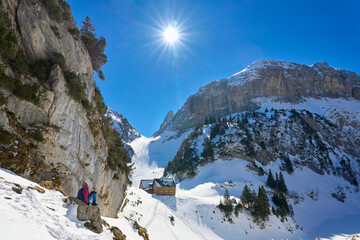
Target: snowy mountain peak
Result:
[[250, 72], [122, 125], [288, 81]]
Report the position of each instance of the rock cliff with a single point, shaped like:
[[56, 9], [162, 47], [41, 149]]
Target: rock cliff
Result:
[[121, 124], [55, 138], [265, 78]]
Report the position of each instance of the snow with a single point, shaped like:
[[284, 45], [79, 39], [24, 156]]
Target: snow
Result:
[[317, 213], [321, 106], [163, 148], [250, 72], [197, 217], [32, 215]]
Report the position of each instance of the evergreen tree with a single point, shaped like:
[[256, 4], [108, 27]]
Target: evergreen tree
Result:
[[270, 180], [238, 209], [226, 207], [215, 130], [248, 198], [212, 119], [288, 165], [281, 184], [262, 206], [208, 152], [276, 181], [95, 46], [206, 121], [280, 201]]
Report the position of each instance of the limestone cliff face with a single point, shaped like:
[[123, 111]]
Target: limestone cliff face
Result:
[[39, 40], [266, 78], [68, 150]]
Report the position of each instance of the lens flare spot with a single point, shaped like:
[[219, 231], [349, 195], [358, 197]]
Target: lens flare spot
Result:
[[171, 35]]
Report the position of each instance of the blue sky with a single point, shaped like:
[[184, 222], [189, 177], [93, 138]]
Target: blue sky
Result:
[[145, 78]]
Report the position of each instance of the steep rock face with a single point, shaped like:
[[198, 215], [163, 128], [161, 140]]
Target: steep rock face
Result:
[[53, 140], [266, 78], [122, 125], [39, 40], [167, 121]]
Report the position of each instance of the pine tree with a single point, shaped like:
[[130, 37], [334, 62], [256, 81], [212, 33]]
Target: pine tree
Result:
[[212, 119], [280, 201], [95, 46], [238, 209], [226, 195], [226, 207], [206, 121], [270, 180], [288, 165], [281, 184], [248, 197], [276, 181], [208, 152], [262, 206]]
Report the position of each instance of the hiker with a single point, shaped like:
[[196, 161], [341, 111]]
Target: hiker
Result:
[[84, 195]]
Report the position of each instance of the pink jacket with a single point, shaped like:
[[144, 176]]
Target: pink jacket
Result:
[[85, 193]]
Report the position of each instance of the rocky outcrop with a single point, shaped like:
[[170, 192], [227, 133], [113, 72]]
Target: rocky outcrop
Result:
[[121, 124], [266, 78], [87, 212], [167, 120], [39, 40], [52, 139], [118, 234]]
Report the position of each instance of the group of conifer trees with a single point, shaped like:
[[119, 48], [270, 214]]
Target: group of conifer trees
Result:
[[278, 183], [279, 198], [258, 204]]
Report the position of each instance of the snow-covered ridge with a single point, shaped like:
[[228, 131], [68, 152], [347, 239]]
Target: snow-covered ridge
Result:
[[250, 71], [122, 125]]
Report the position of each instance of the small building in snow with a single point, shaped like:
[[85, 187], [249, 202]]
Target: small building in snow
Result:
[[146, 185], [159, 186]]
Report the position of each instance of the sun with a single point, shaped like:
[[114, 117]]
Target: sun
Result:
[[171, 35]]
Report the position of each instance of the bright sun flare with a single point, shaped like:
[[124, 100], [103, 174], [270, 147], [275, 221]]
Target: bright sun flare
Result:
[[171, 35]]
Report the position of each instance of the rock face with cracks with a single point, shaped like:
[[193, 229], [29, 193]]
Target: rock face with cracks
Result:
[[54, 136], [285, 81]]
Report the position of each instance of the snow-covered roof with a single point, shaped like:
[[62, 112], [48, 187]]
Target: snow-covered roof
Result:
[[146, 184], [165, 182]]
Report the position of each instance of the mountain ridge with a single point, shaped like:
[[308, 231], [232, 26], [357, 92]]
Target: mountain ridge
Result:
[[264, 78]]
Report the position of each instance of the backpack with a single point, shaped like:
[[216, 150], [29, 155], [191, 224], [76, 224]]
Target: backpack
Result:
[[80, 194]]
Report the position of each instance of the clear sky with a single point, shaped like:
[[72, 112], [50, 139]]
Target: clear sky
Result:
[[145, 77]]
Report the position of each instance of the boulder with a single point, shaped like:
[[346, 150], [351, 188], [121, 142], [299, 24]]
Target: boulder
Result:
[[17, 190], [141, 231], [118, 235], [87, 212]]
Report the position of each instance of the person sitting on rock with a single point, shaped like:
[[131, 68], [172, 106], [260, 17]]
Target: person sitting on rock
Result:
[[84, 195]]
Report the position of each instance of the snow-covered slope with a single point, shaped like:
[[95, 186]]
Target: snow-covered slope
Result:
[[43, 216], [317, 212]]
